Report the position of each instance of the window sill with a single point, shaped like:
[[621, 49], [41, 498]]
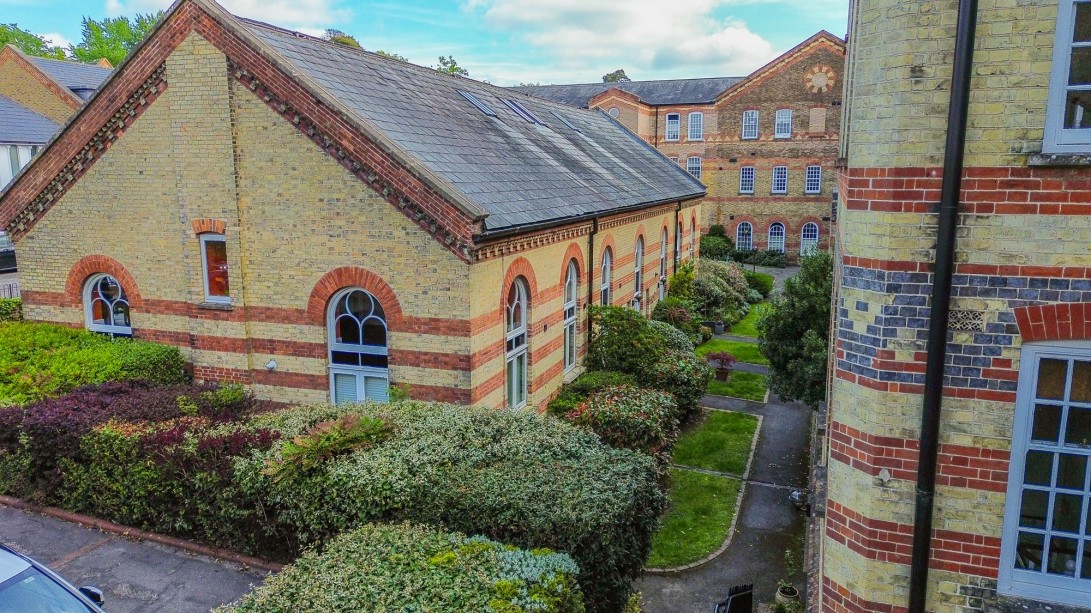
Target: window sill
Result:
[[216, 306], [571, 375], [1059, 159]]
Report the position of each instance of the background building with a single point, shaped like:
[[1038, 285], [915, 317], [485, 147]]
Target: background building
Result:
[[764, 144], [1012, 513]]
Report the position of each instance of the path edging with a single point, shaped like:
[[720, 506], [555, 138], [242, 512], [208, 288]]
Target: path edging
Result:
[[142, 535]]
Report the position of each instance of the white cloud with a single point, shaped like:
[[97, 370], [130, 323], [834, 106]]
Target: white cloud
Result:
[[310, 16], [57, 40], [680, 39]]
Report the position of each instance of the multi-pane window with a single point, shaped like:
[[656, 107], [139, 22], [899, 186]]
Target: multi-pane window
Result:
[[780, 179], [571, 292], [696, 126], [749, 125], [605, 291], [106, 306], [678, 246], [692, 238], [672, 126], [1046, 550], [813, 184], [638, 274], [1068, 116], [516, 347], [782, 127], [214, 261], [744, 236], [663, 264], [746, 180], [358, 348], [693, 166], [12, 160], [808, 238], [673, 158], [776, 237]]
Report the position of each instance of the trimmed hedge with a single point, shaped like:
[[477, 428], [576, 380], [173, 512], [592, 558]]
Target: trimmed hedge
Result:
[[628, 417], [767, 257], [759, 281], [675, 339], [521, 478], [716, 247], [407, 567], [575, 393], [11, 309], [39, 361]]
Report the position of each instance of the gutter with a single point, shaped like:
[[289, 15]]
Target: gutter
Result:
[[954, 152]]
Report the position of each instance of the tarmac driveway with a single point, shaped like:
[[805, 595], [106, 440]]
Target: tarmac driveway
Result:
[[134, 575]]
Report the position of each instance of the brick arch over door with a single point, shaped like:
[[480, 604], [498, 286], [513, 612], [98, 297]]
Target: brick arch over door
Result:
[[100, 264], [354, 276], [1069, 321]]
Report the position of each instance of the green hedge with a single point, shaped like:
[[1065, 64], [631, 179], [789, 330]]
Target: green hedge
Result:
[[759, 281], [521, 478], [42, 360], [575, 393], [628, 417], [407, 567], [11, 309]]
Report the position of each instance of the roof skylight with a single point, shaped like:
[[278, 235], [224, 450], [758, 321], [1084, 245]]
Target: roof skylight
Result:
[[565, 121], [481, 106], [522, 111]]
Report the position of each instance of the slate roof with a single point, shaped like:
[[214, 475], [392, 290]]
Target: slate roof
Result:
[[73, 75], [672, 91], [22, 126], [517, 172]]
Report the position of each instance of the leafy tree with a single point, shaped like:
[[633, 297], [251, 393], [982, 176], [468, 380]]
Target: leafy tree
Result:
[[393, 56], [617, 76], [113, 38], [339, 37], [30, 44], [529, 85], [448, 65], [795, 334]]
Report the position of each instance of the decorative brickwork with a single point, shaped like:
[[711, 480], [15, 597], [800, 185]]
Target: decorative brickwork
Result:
[[99, 264], [202, 226]]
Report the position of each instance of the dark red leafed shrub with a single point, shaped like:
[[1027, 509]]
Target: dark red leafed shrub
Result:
[[629, 417]]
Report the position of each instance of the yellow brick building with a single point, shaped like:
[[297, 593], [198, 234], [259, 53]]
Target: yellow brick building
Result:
[[320, 222]]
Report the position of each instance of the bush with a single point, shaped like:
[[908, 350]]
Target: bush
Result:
[[521, 478], [622, 340], [575, 393], [678, 313], [11, 309], [680, 284], [38, 361], [326, 440], [717, 230], [406, 567], [760, 282], [767, 257], [675, 339], [753, 296], [684, 375], [715, 247], [628, 417]]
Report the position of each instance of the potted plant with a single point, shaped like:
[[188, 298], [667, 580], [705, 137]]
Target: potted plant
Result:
[[786, 592], [723, 362]]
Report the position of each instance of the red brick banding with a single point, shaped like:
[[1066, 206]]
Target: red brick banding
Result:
[[1054, 322]]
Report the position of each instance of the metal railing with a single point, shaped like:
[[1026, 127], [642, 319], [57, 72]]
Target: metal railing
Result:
[[9, 290]]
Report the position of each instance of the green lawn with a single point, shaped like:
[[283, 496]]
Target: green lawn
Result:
[[748, 326], [701, 509], [721, 442], [750, 386], [744, 352]]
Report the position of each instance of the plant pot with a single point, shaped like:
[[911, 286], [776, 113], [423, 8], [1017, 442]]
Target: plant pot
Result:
[[717, 327], [786, 594], [722, 375]]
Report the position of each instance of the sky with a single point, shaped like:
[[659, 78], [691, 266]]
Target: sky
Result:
[[518, 41]]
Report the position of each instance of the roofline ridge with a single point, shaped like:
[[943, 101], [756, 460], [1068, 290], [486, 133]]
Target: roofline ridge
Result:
[[23, 57]]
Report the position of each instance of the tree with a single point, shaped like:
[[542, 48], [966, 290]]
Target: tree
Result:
[[795, 334], [113, 38], [339, 37], [529, 85], [448, 65], [30, 44], [617, 76], [393, 56]]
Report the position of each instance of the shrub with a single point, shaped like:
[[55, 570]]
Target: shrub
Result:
[[675, 339], [728, 272], [715, 247], [753, 296], [11, 309], [622, 340], [767, 257], [717, 230], [759, 281], [680, 284], [629, 417], [720, 291], [722, 360], [678, 313], [685, 376], [326, 440], [573, 394], [521, 478], [406, 567]]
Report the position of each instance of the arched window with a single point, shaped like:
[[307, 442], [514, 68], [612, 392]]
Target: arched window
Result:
[[692, 238], [663, 265], [776, 237], [638, 274], [106, 306], [605, 295], [571, 293], [744, 236], [358, 347], [516, 354], [678, 247], [808, 239]]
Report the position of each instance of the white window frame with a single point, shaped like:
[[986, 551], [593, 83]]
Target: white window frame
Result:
[[739, 235], [696, 120], [361, 374], [808, 238], [606, 294], [782, 126], [672, 129], [1023, 583], [638, 273], [746, 180], [779, 184], [813, 182], [1057, 138], [88, 307], [693, 166], [678, 246], [516, 352], [778, 245], [14, 158], [692, 238], [663, 264], [673, 158], [750, 125], [571, 314], [206, 238]]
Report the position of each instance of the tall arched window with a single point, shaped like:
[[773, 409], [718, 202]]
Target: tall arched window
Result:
[[744, 236], [808, 239], [663, 265], [638, 274], [678, 247], [358, 347], [571, 293], [605, 294], [776, 237], [516, 353], [106, 306], [692, 238]]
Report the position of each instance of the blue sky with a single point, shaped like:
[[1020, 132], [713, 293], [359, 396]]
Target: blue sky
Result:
[[511, 41]]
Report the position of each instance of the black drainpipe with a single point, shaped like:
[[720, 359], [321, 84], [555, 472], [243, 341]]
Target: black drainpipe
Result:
[[941, 303], [677, 255], [591, 274]]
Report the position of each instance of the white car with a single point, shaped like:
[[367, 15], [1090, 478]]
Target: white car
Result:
[[29, 587]]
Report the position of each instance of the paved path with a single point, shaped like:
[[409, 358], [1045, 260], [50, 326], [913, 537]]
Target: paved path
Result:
[[134, 575], [768, 523]]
